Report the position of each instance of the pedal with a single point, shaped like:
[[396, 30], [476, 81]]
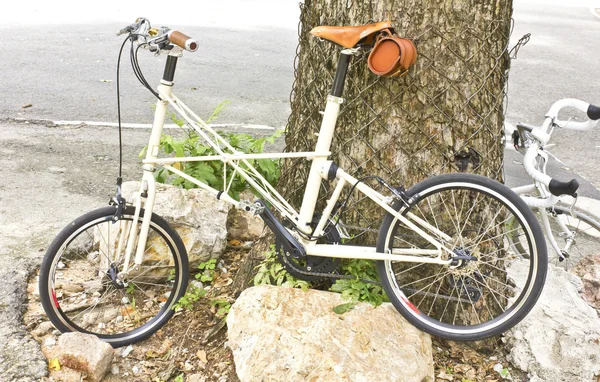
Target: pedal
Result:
[[253, 208]]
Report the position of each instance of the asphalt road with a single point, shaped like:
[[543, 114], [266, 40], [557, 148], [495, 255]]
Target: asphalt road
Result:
[[561, 60], [69, 72], [53, 174]]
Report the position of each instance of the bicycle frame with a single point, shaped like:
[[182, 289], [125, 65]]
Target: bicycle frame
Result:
[[321, 168], [546, 200], [533, 188]]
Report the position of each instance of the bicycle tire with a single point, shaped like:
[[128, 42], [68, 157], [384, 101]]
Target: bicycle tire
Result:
[[78, 294], [488, 311]]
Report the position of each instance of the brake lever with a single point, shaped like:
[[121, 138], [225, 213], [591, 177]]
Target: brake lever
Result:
[[127, 29], [563, 125], [136, 27]]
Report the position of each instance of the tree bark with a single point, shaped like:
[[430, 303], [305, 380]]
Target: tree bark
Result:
[[446, 115]]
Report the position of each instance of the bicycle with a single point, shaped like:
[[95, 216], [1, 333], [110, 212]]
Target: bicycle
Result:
[[442, 251], [578, 232]]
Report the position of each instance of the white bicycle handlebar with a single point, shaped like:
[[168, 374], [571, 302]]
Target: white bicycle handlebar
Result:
[[541, 136], [574, 103]]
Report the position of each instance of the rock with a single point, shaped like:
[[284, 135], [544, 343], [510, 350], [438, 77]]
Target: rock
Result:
[[197, 284], [588, 269], [559, 340], [198, 217], [284, 334], [114, 369], [85, 353], [196, 378], [242, 225], [125, 352], [42, 329], [49, 341]]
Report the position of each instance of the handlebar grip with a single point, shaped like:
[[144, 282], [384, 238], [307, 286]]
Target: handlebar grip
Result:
[[183, 41], [559, 188], [593, 112]]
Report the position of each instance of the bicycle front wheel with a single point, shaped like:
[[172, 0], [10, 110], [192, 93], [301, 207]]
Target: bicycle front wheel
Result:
[[79, 287], [488, 287]]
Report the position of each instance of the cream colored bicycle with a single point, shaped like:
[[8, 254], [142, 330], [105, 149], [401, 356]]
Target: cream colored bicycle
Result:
[[443, 254]]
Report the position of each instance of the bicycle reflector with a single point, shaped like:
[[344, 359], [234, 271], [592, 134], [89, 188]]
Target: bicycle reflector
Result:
[[392, 55]]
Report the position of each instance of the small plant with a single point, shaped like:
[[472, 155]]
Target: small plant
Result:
[[179, 378], [171, 276], [207, 269], [354, 290], [222, 306], [272, 272], [214, 173], [130, 288], [191, 296]]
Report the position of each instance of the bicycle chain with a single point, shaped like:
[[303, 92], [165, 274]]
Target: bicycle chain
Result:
[[338, 276], [326, 275]]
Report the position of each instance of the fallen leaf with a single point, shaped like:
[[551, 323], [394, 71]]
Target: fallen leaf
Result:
[[201, 354], [53, 364], [223, 282], [444, 376], [343, 308], [165, 346]]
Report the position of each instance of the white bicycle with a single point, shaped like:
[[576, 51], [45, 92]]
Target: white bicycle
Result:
[[442, 252], [570, 232]]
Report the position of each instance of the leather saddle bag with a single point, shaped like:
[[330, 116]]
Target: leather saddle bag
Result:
[[392, 55]]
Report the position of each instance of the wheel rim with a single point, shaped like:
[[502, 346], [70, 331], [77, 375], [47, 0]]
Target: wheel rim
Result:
[[479, 295], [87, 298]]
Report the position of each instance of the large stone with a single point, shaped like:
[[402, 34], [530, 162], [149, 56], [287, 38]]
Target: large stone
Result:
[[242, 225], [85, 353], [198, 217], [559, 340], [283, 334], [589, 271]]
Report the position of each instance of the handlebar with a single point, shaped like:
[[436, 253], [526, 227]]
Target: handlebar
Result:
[[149, 36], [541, 136], [592, 112], [182, 40]]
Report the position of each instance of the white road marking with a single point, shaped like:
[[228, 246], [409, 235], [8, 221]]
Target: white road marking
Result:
[[167, 126]]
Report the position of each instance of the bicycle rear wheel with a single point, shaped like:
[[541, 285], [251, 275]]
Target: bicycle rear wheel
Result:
[[79, 289], [489, 288]]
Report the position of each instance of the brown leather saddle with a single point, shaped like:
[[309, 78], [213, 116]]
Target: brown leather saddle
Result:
[[348, 37], [390, 56]]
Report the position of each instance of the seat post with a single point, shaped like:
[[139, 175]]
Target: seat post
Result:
[[340, 74]]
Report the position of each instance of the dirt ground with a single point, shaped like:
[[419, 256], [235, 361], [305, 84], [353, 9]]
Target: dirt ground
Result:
[[193, 344]]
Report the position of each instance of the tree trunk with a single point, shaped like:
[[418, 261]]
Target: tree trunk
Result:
[[445, 115]]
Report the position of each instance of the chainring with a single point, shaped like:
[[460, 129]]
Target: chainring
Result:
[[311, 268]]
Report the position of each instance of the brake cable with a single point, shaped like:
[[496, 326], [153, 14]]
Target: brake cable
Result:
[[118, 200]]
